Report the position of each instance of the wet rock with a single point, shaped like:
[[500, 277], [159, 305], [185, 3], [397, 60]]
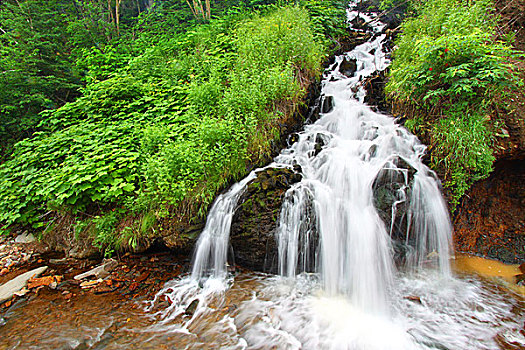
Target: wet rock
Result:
[[190, 310], [392, 188], [255, 221], [8, 289], [321, 140], [328, 104], [353, 39], [25, 238], [99, 271], [348, 67], [489, 221], [103, 289], [293, 138], [414, 298], [91, 284], [359, 23], [375, 92], [314, 114], [82, 251], [181, 236], [44, 281]]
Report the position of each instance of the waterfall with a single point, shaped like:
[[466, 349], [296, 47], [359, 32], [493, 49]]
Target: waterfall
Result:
[[210, 258], [329, 222], [363, 244]]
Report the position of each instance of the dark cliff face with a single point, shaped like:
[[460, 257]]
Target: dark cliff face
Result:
[[491, 218]]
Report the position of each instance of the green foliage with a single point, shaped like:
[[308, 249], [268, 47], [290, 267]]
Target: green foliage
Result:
[[36, 70], [462, 146], [104, 228], [166, 122], [328, 17], [448, 64], [48, 48], [72, 168]]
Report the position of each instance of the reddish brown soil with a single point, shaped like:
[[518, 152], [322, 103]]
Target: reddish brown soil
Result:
[[491, 218]]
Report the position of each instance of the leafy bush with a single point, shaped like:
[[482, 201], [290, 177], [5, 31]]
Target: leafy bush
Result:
[[462, 147], [447, 70], [170, 129]]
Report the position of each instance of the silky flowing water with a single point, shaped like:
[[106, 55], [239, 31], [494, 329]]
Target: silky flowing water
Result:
[[339, 284]]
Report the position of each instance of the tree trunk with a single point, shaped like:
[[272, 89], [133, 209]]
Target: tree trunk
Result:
[[117, 15]]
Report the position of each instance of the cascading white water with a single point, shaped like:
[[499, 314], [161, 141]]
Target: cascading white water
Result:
[[356, 299], [212, 247], [355, 252]]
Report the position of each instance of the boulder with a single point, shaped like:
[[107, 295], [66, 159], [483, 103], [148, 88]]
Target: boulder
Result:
[[392, 187], [348, 67], [255, 221]]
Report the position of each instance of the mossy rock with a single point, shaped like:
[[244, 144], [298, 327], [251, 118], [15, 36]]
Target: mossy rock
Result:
[[255, 221]]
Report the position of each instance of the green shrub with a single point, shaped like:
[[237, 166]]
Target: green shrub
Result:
[[463, 147], [447, 71], [172, 128]]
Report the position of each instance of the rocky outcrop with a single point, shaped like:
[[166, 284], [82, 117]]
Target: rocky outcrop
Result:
[[254, 224], [180, 236], [255, 221], [375, 92]]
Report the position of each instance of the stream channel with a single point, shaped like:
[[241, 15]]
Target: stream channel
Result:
[[345, 279]]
